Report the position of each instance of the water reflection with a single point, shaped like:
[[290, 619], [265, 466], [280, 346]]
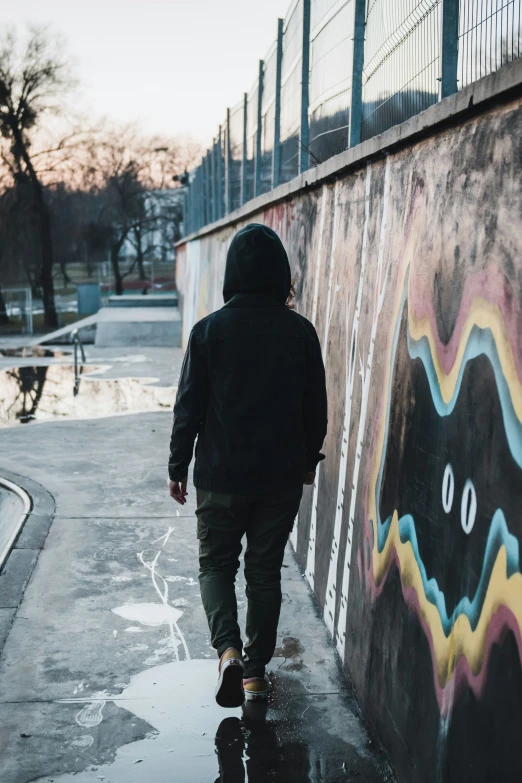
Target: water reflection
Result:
[[37, 393], [37, 351], [184, 737], [30, 382], [250, 751]]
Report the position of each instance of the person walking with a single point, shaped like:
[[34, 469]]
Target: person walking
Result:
[[252, 391]]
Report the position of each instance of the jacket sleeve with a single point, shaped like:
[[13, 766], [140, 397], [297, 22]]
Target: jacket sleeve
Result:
[[315, 404], [189, 410]]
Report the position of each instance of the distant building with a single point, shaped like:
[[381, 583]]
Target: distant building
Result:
[[159, 229]]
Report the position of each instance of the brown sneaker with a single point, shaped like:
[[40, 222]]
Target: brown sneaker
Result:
[[229, 691], [256, 688]]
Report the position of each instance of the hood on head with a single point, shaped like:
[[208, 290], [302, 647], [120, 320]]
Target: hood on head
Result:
[[257, 264]]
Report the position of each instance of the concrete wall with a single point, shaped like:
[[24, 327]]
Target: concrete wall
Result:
[[409, 263]]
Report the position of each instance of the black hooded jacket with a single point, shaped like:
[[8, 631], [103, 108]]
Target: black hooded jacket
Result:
[[252, 387]]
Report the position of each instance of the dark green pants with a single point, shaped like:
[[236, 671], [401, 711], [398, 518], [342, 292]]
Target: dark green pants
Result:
[[223, 520]]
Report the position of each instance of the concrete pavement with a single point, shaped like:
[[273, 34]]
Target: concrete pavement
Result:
[[106, 672]]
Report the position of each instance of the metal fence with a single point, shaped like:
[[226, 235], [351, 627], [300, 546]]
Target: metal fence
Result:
[[338, 73], [401, 62], [331, 59], [489, 37]]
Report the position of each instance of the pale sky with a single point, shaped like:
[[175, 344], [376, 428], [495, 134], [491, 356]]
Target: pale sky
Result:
[[170, 65]]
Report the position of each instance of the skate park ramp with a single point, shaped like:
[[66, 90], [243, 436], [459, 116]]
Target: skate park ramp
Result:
[[124, 326], [124, 323], [15, 504]]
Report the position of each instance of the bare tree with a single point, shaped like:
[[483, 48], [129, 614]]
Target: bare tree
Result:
[[33, 79], [78, 195], [19, 242], [158, 230], [127, 168]]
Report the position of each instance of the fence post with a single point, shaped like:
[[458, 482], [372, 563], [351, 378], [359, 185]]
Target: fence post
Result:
[[186, 212], [304, 138], [190, 208], [202, 173], [244, 159], [213, 180], [276, 157], [228, 167], [219, 186], [201, 199], [210, 186], [197, 205], [206, 190], [195, 199], [258, 162], [192, 203], [450, 47], [357, 72]]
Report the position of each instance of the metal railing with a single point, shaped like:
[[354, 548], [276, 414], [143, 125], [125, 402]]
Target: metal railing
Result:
[[338, 73], [78, 369]]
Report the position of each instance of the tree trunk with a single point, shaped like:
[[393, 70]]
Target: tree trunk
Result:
[[65, 275], [46, 273], [115, 263], [4, 318], [141, 267], [139, 253], [50, 314]]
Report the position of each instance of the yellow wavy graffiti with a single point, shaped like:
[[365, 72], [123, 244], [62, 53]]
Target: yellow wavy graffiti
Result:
[[462, 640], [484, 315]]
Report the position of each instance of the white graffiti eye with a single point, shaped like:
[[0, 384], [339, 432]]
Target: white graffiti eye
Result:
[[468, 507], [448, 488]]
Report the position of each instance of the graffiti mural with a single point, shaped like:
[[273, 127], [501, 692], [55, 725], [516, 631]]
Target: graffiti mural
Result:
[[409, 267], [466, 611], [446, 481]]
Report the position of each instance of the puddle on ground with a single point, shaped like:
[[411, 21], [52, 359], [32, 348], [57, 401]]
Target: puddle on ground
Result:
[[192, 740], [46, 393], [36, 351]]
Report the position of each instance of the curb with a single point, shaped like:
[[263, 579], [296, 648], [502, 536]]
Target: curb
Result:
[[25, 546], [27, 505]]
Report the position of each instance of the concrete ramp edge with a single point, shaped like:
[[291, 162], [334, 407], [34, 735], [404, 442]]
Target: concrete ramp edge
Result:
[[12, 520]]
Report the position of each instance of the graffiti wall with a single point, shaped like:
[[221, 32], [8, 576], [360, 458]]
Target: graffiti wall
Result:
[[411, 270]]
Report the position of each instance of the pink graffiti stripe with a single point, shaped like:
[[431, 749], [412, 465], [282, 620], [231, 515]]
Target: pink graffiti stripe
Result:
[[490, 285]]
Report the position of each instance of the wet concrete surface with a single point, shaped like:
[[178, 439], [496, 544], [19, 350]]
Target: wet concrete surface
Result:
[[107, 673]]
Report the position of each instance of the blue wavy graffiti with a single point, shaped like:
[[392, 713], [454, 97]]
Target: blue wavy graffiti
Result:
[[498, 536], [481, 342]]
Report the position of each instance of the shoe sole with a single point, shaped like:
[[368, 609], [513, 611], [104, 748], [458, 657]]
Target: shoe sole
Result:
[[229, 691]]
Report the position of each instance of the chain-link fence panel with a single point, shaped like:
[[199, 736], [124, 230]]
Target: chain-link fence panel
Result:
[[268, 118], [331, 56], [410, 51], [489, 37], [251, 134], [291, 85], [401, 62], [235, 159]]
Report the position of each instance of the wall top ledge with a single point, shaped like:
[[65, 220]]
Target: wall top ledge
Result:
[[475, 98]]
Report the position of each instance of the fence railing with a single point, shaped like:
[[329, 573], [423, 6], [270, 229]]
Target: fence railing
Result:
[[16, 309], [338, 73]]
